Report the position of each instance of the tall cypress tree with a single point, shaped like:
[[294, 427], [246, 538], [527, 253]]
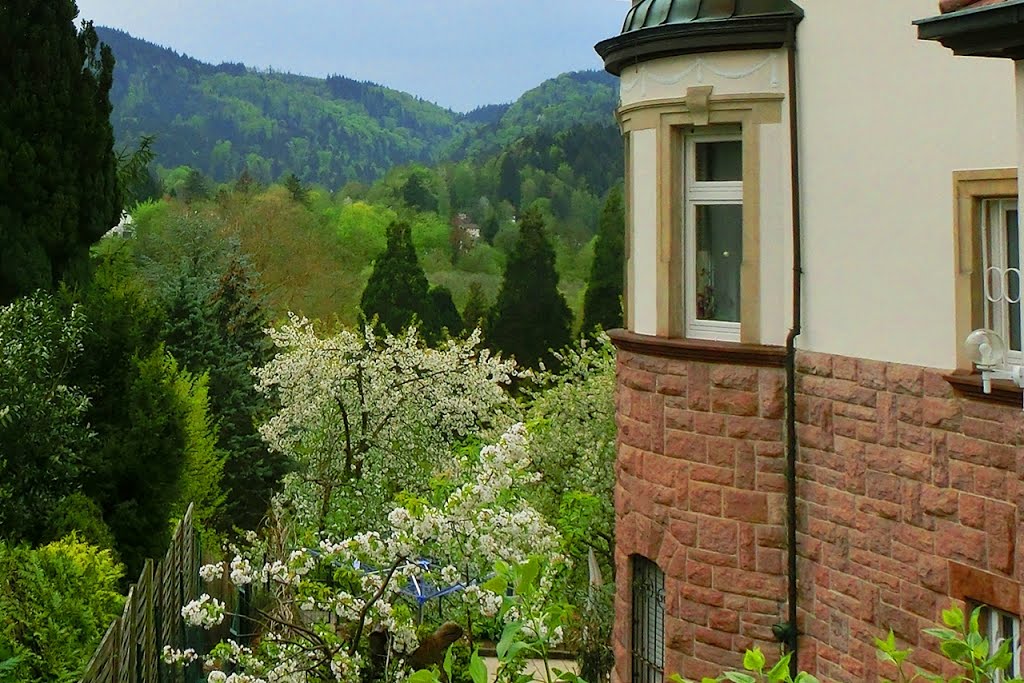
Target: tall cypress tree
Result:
[[397, 292], [602, 303], [530, 316], [58, 174]]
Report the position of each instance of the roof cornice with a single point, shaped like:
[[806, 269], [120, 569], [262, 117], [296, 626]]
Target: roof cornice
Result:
[[738, 33], [991, 31]]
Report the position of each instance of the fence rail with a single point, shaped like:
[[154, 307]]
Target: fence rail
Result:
[[131, 648]]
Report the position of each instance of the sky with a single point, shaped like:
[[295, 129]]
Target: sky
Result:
[[458, 53]]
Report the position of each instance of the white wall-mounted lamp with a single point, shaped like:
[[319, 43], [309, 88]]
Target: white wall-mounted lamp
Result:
[[987, 351]]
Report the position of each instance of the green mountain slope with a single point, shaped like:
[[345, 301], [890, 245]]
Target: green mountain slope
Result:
[[579, 98], [222, 119]]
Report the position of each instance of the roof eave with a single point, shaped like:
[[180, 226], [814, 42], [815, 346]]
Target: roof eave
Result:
[[746, 33], [992, 31]]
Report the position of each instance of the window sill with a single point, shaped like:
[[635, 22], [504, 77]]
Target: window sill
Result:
[[969, 384], [718, 352]]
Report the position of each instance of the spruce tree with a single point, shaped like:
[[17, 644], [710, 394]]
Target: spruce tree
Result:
[[530, 317], [58, 174], [397, 292], [475, 312], [602, 303]]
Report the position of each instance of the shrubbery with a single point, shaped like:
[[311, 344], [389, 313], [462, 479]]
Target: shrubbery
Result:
[[56, 602]]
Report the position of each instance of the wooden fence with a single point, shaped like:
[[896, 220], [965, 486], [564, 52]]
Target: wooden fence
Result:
[[131, 649]]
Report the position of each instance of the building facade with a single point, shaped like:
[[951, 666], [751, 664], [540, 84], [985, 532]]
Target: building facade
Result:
[[822, 203]]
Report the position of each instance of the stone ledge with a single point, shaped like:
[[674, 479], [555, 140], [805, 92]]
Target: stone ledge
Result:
[[756, 355], [969, 384]]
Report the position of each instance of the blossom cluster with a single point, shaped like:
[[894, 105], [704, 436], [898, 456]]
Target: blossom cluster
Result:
[[205, 612]]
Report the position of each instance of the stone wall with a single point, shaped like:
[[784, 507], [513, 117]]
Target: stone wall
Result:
[[908, 495]]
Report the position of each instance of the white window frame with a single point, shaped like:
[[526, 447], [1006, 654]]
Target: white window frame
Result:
[[995, 256], [991, 623], [700, 193]]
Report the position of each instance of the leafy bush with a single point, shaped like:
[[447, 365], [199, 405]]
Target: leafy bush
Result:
[[55, 604]]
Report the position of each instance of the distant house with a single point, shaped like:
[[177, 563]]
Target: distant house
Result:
[[464, 233], [820, 208]]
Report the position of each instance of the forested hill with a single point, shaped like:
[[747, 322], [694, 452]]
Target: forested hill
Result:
[[221, 119], [580, 98]]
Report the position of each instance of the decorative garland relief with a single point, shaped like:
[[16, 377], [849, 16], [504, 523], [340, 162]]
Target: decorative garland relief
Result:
[[701, 66]]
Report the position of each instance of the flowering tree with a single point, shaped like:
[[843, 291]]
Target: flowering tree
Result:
[[336, 613], [364, 418]]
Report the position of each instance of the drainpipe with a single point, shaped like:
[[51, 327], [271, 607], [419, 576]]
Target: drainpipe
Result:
[[790, 632]]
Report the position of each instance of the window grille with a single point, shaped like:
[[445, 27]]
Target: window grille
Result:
[[648, 622]]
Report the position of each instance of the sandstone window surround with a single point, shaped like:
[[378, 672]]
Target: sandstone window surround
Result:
[[977, 196], [673, 121]]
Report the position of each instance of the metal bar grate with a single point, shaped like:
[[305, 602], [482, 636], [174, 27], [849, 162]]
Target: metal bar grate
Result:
[[648, 641]]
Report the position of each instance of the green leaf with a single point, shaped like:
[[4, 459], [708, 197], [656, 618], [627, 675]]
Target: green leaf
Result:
[[496, 584], [953, 617], [804, 677], [508, 636], [941, 633], [738, 677], [528, 576], [423, 676], [477, 668], [448, 662], [753, 660], [780, 671]]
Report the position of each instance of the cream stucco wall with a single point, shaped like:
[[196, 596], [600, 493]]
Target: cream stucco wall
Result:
[[885, 120], [643, 253]]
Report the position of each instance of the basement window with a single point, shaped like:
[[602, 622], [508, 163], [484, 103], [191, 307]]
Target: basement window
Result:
[[648, 661], [713, 235], [998, 626]]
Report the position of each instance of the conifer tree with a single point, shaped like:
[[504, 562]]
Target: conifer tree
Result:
[[446, 315], [58, 175], [530, 317], [397, 292], [474, 314], [602, 303]]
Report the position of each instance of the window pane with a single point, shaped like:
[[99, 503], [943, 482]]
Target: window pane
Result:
[[719, 161], [719, 254], [1013, 261]]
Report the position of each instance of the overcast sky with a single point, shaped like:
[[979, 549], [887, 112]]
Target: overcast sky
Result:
[[458, 53]]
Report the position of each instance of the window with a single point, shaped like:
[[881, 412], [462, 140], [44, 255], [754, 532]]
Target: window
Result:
[[998, 626], [1001, 268], [713, 235], [988, 256], [648, 661]]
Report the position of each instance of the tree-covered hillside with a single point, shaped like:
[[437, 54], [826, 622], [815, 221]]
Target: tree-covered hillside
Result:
[[225, 119], [580, 98]]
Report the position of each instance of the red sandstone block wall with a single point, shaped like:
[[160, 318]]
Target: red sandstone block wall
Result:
[[908, 495], [700, 490]]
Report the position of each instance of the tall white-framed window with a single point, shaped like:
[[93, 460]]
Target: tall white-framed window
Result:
[[998, 626], [1001, 267], [712, 234]]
